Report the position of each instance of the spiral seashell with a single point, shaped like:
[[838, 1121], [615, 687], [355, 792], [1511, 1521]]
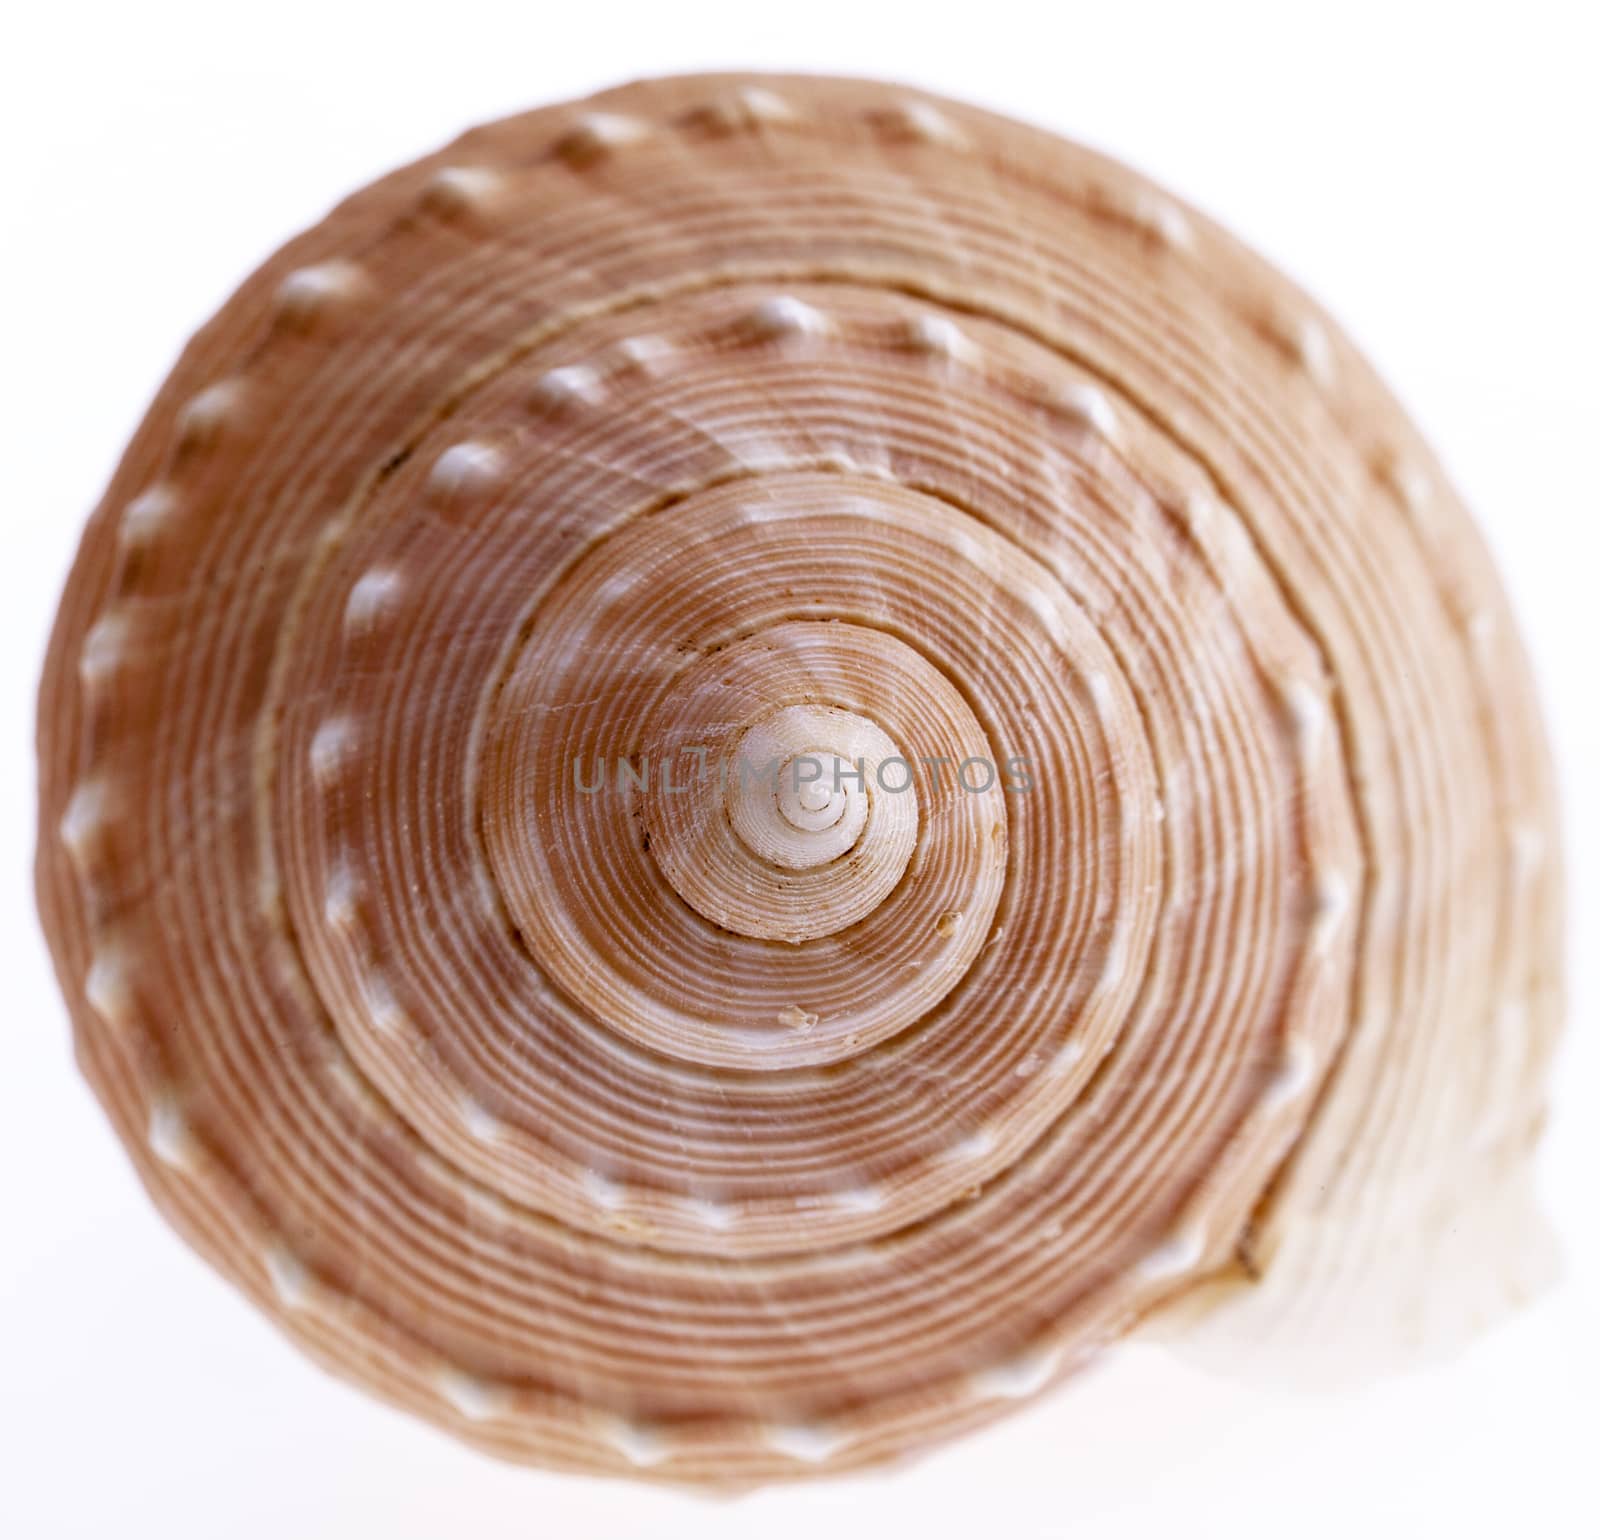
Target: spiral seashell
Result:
[[1144, 905]]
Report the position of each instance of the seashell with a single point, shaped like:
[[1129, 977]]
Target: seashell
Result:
[[1168, 933]]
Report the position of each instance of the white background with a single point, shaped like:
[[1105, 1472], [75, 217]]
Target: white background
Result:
[[1431, 174]]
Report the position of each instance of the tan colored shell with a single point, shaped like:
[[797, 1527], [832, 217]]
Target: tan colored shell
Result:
[[638, 1132]]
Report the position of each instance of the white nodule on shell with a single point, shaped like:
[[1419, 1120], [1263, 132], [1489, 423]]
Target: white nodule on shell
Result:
[[572, 385], [104, 647], [1308, 712], [1313, 349], [167, 1131], [1162, 220], [1295, 1072], [709, 1213], [1180, 1253], [383, 1010], [106, 987], [338, 1070], [1412, 485], [974, 1147], [1527, 851], [1199, 511], [1332, 905], [1480, 629], [599, 133], [340, 896], [811, 1442], [1085, 405], [475, 1400], [309, 292], [619, 586], [373, 595], [759, 105], [1114, 966], [465, 469], [459, 189], [208, 412], [858, 1200], [1067, 1057], [747, 107], [637, 1444], [1099, 690], [145, 515], [797, 1019], [603, 1192], [490, 1208], [487, 894], [269, 894], [289, 1278], [936, 336], [923, 121], [84, 820], [783, 316], [646, 354], [1045, 605], [478, 1120], [331, 745], [1019, 1377]]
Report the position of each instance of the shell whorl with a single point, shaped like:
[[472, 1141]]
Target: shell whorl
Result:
[[625, 1114]]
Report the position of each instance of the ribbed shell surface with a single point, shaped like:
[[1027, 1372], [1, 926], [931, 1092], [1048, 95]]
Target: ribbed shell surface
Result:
[[679, 1129]]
